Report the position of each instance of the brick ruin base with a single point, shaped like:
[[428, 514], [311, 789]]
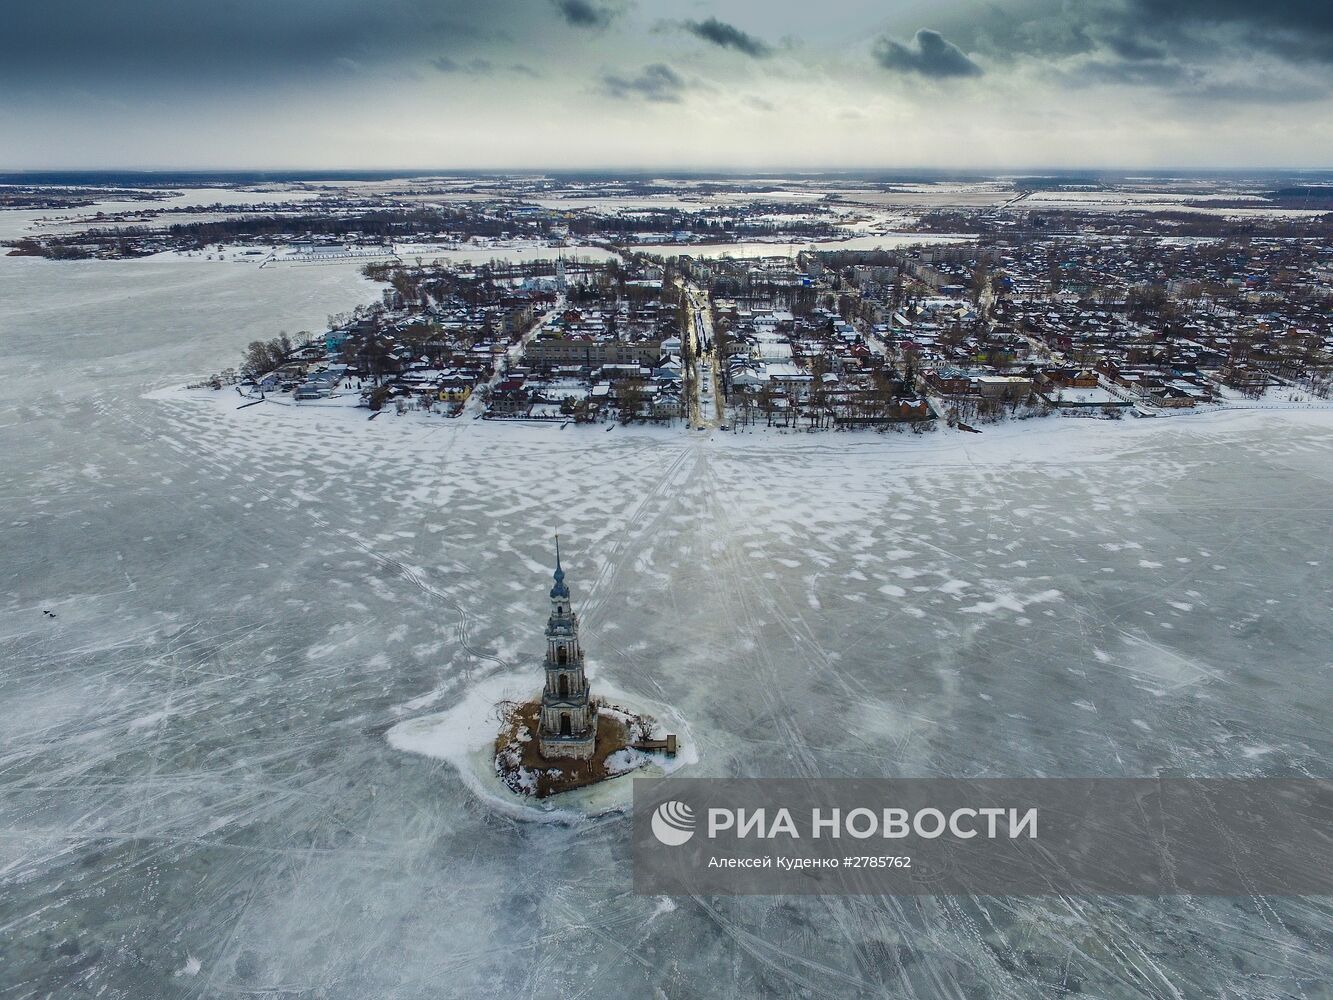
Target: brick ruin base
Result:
[[521, 766]]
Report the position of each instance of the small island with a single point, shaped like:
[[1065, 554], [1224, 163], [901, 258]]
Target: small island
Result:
[[568, 739]]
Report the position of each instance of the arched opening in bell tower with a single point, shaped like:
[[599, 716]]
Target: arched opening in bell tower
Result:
[[564, 724], [564, 685], [562, 655]]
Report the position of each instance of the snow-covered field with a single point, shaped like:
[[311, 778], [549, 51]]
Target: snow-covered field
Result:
[[197, 797], [783, 248]]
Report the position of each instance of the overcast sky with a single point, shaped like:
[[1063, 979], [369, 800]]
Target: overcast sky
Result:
[[735, 84]]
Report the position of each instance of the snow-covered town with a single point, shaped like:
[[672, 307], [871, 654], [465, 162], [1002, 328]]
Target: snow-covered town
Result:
[[967, 334]]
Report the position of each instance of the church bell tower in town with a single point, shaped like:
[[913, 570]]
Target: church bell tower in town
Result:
[[568, 725]]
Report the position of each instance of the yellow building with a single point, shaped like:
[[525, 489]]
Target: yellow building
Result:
[[455, 393]]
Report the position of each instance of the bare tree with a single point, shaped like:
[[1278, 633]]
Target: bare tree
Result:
[[264, 356]]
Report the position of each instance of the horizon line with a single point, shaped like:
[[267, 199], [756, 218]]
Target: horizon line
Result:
[[405, 171]]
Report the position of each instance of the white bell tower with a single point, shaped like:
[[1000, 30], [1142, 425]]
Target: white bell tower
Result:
[[568, 725]]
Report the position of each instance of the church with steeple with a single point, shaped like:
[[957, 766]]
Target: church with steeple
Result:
[[568, 719]]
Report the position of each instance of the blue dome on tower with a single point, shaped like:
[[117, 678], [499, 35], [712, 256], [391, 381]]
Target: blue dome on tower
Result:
[[560, 589]]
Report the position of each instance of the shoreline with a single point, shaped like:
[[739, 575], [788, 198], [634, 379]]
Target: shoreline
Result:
[[464, 738], [1004, 436]]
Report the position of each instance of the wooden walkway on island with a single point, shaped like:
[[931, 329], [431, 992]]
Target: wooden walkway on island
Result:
[[668, 744]]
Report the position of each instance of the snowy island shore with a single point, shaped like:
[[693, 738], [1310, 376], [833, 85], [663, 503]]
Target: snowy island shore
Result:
[[464, 738]]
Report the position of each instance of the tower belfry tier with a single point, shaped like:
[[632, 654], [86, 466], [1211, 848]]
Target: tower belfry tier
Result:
[[568, 726]]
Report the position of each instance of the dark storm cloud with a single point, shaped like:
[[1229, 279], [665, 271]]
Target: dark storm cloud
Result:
[[728, 36], [585, 14], [149, 42], [1298, 29], [656, 82], [929, 54], [1133, 30], [1201, 49]]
